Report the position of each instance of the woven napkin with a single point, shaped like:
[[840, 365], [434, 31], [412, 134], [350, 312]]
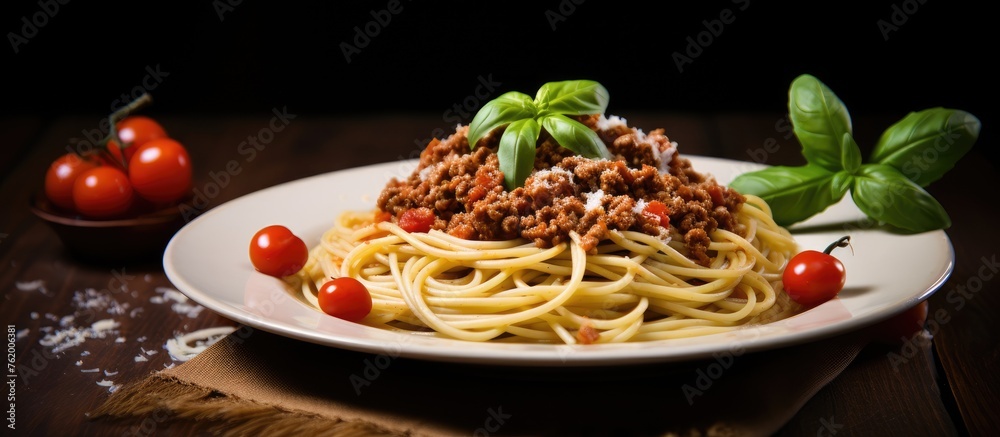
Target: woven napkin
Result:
[[265, 384]]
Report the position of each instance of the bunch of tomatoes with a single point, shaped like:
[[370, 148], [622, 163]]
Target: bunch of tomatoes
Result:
[[138, 169]]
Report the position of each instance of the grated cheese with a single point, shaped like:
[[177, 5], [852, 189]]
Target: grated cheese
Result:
[[180, 303], [639, 207], [594, 199], [187, 346], [112, 387], [666, 156], [605, 123], [75, 336], [36, 285]]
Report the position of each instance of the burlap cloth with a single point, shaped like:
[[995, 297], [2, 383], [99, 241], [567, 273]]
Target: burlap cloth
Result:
[[265, 384]]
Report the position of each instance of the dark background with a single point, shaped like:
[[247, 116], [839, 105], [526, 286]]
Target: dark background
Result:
[[251, 57]]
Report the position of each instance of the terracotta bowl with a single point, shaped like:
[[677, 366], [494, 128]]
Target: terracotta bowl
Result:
[[129, 240]]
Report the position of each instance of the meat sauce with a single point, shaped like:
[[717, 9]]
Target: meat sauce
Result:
[[646, 187]]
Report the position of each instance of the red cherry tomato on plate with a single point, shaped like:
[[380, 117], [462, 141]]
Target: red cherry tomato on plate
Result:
[[276, 251], [345, 298], [61, 176], [160, 171], [812, 277], [103, 192]]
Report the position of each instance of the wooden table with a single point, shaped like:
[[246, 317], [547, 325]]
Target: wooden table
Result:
[[949, 387]]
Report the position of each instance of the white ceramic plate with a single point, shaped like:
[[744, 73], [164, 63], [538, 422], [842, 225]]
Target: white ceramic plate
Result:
[[207, 260]]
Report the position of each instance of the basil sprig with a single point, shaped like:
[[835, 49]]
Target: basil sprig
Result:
[[525, 117], [912, 153]]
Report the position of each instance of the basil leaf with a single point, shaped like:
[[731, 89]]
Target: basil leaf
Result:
[[886, 195], [572, 97], [924, 145], [502, 110], [819, 120], [850, 158], [575, 136], [517, 151], [794, 193]]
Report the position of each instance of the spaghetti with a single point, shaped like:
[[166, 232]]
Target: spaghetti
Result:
[[624, 286]]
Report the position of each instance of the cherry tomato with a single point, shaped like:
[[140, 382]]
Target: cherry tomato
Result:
[[903, 326], [417, 220], [276, 251], [103, 192], [137, 130], [812, 277], [61, 176], [134, 131], [161, 171], [345, 298]]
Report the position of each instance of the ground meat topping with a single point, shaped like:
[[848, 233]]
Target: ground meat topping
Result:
[[567, 193]]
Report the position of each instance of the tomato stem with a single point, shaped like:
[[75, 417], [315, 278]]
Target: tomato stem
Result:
[[842, 242], [117, 116]]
